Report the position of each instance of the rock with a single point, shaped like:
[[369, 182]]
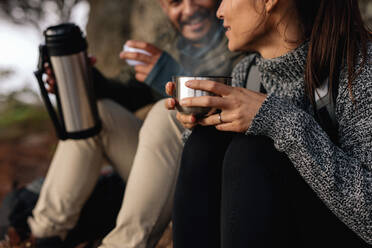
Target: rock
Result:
[[108, 27], [366, 9], [113, 22]]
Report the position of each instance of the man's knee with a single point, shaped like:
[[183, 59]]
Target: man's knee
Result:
[[160, 125], [114, 116], [107, 107]]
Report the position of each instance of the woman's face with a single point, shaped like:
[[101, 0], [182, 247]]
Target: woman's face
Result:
[[245, 23]]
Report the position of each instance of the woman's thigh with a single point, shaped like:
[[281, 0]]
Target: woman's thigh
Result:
[[266, 203]]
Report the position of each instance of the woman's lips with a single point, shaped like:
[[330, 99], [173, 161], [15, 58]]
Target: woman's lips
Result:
[[227, 29]]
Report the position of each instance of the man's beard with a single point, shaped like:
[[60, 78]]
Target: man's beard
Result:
[[201, 16]]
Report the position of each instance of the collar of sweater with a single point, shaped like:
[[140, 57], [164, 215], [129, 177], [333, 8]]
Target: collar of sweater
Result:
[[284, 69]]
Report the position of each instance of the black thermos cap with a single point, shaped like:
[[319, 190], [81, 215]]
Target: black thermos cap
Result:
[[64, 39]]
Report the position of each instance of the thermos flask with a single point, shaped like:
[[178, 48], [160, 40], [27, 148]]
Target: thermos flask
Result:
[[76, 115]]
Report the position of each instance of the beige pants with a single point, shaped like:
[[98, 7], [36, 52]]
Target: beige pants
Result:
[[152, 172]]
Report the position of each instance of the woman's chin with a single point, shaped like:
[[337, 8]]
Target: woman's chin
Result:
[[231, 47], [234, 48]]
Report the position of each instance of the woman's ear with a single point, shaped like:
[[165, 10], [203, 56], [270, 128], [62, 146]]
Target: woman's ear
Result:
[[270, 5]]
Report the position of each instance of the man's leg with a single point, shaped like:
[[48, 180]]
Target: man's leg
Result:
[[148, 199], [76, 166]]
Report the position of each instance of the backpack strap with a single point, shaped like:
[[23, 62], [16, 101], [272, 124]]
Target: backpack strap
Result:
[[253, 78], [325, 103]]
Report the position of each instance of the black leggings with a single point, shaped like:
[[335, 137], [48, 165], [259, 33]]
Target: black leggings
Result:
[[237, 191]]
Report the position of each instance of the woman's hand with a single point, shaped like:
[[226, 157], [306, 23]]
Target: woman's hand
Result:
[[188, 121], [238, 105], [142, 71]]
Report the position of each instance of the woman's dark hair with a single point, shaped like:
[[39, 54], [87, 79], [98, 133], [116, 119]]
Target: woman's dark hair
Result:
[[336, 35]]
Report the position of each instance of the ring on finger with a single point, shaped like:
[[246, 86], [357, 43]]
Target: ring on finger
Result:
[[220, 118]]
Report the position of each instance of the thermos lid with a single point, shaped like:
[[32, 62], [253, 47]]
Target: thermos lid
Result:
[[64, 39]]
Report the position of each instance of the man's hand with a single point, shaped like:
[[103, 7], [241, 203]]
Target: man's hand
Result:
[[188, 121], [51, 80], [142, 71]]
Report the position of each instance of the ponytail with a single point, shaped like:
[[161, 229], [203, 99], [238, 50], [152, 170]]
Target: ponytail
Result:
[[336, 35]]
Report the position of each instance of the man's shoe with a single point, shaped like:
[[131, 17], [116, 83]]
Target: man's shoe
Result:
[[14, 240]]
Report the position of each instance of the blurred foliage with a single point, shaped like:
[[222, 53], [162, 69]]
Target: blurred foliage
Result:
[[5, 72], [34, 11], [19, 118]]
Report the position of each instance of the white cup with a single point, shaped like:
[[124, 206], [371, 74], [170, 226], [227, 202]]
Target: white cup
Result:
[[133, 62]]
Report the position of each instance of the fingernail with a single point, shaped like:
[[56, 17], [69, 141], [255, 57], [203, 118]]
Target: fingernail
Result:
[[183, 102], [188, 83]]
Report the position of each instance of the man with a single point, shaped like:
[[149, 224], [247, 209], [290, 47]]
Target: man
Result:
[[151, 169]]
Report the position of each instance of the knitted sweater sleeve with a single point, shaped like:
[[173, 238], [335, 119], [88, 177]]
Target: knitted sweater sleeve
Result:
[[340, 175]]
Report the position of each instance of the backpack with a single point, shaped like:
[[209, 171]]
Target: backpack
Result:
[[325, 101], [96, 220]]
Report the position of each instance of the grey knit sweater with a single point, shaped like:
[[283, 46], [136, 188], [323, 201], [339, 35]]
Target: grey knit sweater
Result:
[[340, 175]]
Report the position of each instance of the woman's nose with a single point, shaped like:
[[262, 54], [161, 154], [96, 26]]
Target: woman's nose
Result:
[[219, 12]]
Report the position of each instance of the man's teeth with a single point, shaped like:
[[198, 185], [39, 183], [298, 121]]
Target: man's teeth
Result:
[[195, 21]]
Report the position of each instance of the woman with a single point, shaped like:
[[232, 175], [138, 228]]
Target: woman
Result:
[[262, 172]]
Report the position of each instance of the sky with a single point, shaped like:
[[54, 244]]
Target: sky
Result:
[[19, 50]]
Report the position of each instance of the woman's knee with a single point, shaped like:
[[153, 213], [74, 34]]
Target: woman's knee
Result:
[[250, 145], [205, 146], [254, 151]]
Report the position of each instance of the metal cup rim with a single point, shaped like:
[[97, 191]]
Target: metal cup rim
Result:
[[191, 77]]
